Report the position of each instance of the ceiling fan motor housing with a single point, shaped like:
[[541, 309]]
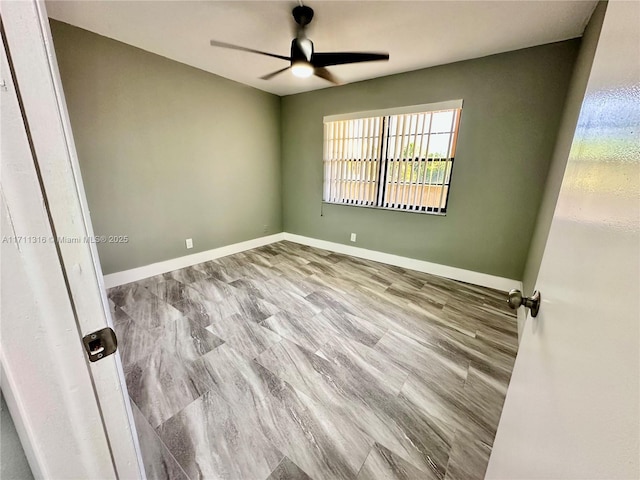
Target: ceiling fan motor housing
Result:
[[301, 50]]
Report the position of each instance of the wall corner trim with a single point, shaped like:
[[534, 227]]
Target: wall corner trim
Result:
[[127, 276], [454, 273]]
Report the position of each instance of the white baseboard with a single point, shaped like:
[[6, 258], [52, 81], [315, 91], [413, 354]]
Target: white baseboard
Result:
[[454, 273], [135, 274], [476, 278]]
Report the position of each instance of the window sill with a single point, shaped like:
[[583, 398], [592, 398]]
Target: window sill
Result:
[[442, 213]]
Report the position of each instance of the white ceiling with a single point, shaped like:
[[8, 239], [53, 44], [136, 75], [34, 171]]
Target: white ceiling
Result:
[[416, 34]]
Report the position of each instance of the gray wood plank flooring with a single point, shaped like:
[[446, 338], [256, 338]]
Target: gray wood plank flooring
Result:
[[290, 362]]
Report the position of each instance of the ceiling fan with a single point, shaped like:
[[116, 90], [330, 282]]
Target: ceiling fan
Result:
[[304, 61]]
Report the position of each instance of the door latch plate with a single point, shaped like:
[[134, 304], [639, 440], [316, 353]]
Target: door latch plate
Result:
[[100, 344]]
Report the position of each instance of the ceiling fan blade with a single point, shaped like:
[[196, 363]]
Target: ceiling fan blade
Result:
[[327, 75], [341, 58], [269, 76], [215, 43]]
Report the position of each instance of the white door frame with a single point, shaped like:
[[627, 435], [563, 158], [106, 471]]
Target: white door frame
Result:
[[55, 169]]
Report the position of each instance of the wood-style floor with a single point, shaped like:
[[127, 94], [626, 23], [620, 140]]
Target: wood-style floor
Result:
[[289, 362]]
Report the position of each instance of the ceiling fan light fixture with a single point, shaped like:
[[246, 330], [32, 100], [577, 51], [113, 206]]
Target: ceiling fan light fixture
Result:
[[303, 61], [302, 69]]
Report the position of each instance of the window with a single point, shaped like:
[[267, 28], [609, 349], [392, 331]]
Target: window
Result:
[[398, 159]]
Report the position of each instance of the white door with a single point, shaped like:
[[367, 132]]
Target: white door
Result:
[[74, 417], [572, 408]]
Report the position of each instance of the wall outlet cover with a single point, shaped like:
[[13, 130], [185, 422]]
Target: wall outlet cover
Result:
[[189, 242], [353, 237]]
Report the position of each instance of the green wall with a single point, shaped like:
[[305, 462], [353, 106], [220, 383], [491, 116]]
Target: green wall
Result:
[[560, 155], [167, 151], [513, 103]]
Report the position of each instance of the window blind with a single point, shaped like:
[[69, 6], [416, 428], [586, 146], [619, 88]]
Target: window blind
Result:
[[400, 161], [352, 154]]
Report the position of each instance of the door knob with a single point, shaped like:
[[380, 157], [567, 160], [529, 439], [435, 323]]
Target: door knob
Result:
[[516, 299]]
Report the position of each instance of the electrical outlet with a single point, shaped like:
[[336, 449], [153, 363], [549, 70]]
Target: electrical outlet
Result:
[[265, 228], [189, 242], [353, 237]]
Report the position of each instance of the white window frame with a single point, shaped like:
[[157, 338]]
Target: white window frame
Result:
[[375, 162]]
